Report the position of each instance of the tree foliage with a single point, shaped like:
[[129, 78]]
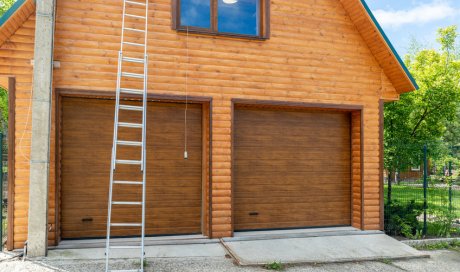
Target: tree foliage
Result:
[[423, 116], [3, 109], [5, 5]]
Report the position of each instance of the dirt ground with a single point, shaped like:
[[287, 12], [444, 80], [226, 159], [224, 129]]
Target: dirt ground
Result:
[[441, 260]]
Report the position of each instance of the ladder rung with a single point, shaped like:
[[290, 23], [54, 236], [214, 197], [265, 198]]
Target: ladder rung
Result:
[[134, 44], [131, 91], [135, 3], [129, 125], [134, 29], [126, 224], [128, 182], [129, 143], [133, 108], [125, 247], [126, 203], [136, 60], [128, 162], [135, 16], [126, 74]]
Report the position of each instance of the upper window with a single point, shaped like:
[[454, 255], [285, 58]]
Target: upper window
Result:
[[242, 18]]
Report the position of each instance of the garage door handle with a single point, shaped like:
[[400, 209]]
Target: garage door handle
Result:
[[253, 213], [87, 219]]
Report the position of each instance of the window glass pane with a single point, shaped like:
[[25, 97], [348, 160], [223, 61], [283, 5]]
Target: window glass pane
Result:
[[238, 16], [195, 13]]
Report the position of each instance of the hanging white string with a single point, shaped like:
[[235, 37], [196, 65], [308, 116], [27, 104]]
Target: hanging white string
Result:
[[186, 98], [21, 148]]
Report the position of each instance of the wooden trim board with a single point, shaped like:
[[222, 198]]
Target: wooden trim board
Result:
[[11, 159]]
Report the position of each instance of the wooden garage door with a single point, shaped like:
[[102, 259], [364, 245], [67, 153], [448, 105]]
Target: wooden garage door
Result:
[[173, 184], [291, 169]]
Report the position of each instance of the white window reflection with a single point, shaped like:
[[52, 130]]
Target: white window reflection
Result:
[[195, 13]]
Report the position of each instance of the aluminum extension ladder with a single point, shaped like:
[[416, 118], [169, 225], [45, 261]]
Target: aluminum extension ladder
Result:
[[132, 57]]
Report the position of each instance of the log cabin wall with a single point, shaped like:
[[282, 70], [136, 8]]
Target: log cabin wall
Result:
[[16, 55], [315, 55]]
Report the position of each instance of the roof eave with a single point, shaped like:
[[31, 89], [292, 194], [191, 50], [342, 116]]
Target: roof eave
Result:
[[393, 50], [7, 15]]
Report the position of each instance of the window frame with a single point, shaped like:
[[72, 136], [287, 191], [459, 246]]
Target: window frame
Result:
[[264, 22]]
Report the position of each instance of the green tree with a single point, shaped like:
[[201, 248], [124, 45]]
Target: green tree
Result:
[[5, 5], [452, 136], [421, 117], [3, 110]]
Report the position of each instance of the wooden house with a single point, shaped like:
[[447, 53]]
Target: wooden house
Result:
[[284, 122]]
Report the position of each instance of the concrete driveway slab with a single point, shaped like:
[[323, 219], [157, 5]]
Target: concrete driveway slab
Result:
[[329, 249]]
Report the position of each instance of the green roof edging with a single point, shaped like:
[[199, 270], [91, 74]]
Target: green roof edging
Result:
[[390, 44], [11, 11]]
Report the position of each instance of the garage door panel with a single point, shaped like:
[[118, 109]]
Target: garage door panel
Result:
[[121, 233], [173, 184], [273, 212], [308, 201], [313, 117], [331, 213], [292, 153], [296, 168], [312, 179], [297, 165], [294, 191], [312, 174], [309, 143], [291, 169], [295, 224]]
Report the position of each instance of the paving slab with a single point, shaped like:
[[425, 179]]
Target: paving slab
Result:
[[316, 250]]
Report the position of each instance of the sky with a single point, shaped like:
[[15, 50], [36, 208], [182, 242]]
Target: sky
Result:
[[403, 20]]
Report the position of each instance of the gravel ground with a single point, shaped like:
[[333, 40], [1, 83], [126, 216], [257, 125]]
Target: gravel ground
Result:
[[442, 260]]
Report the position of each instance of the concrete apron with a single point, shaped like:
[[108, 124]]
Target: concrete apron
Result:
[[259, 248], [315, 250], [208, 250]]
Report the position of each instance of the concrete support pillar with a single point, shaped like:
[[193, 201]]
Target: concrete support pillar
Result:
[[41, 123]]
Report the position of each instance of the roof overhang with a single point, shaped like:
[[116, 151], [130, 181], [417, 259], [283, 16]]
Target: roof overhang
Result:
[[14, 18], [380, 46]]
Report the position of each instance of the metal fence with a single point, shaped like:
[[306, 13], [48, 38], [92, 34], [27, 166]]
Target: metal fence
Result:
[[3, 189], [438, 196], [435, 200]]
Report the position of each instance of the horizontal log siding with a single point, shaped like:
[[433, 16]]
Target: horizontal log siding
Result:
[[315, 54], [16, 54]]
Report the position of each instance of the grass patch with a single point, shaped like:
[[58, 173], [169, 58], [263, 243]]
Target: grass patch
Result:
[[455, 244], [386, 261], [138, 263], [277, 266]]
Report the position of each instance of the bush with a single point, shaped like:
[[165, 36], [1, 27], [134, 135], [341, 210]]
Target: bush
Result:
[[441, 225], [401, 219]]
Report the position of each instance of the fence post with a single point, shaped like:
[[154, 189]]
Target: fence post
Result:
[[425, 186], [450, 186], [389, 188], [1, 191]]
